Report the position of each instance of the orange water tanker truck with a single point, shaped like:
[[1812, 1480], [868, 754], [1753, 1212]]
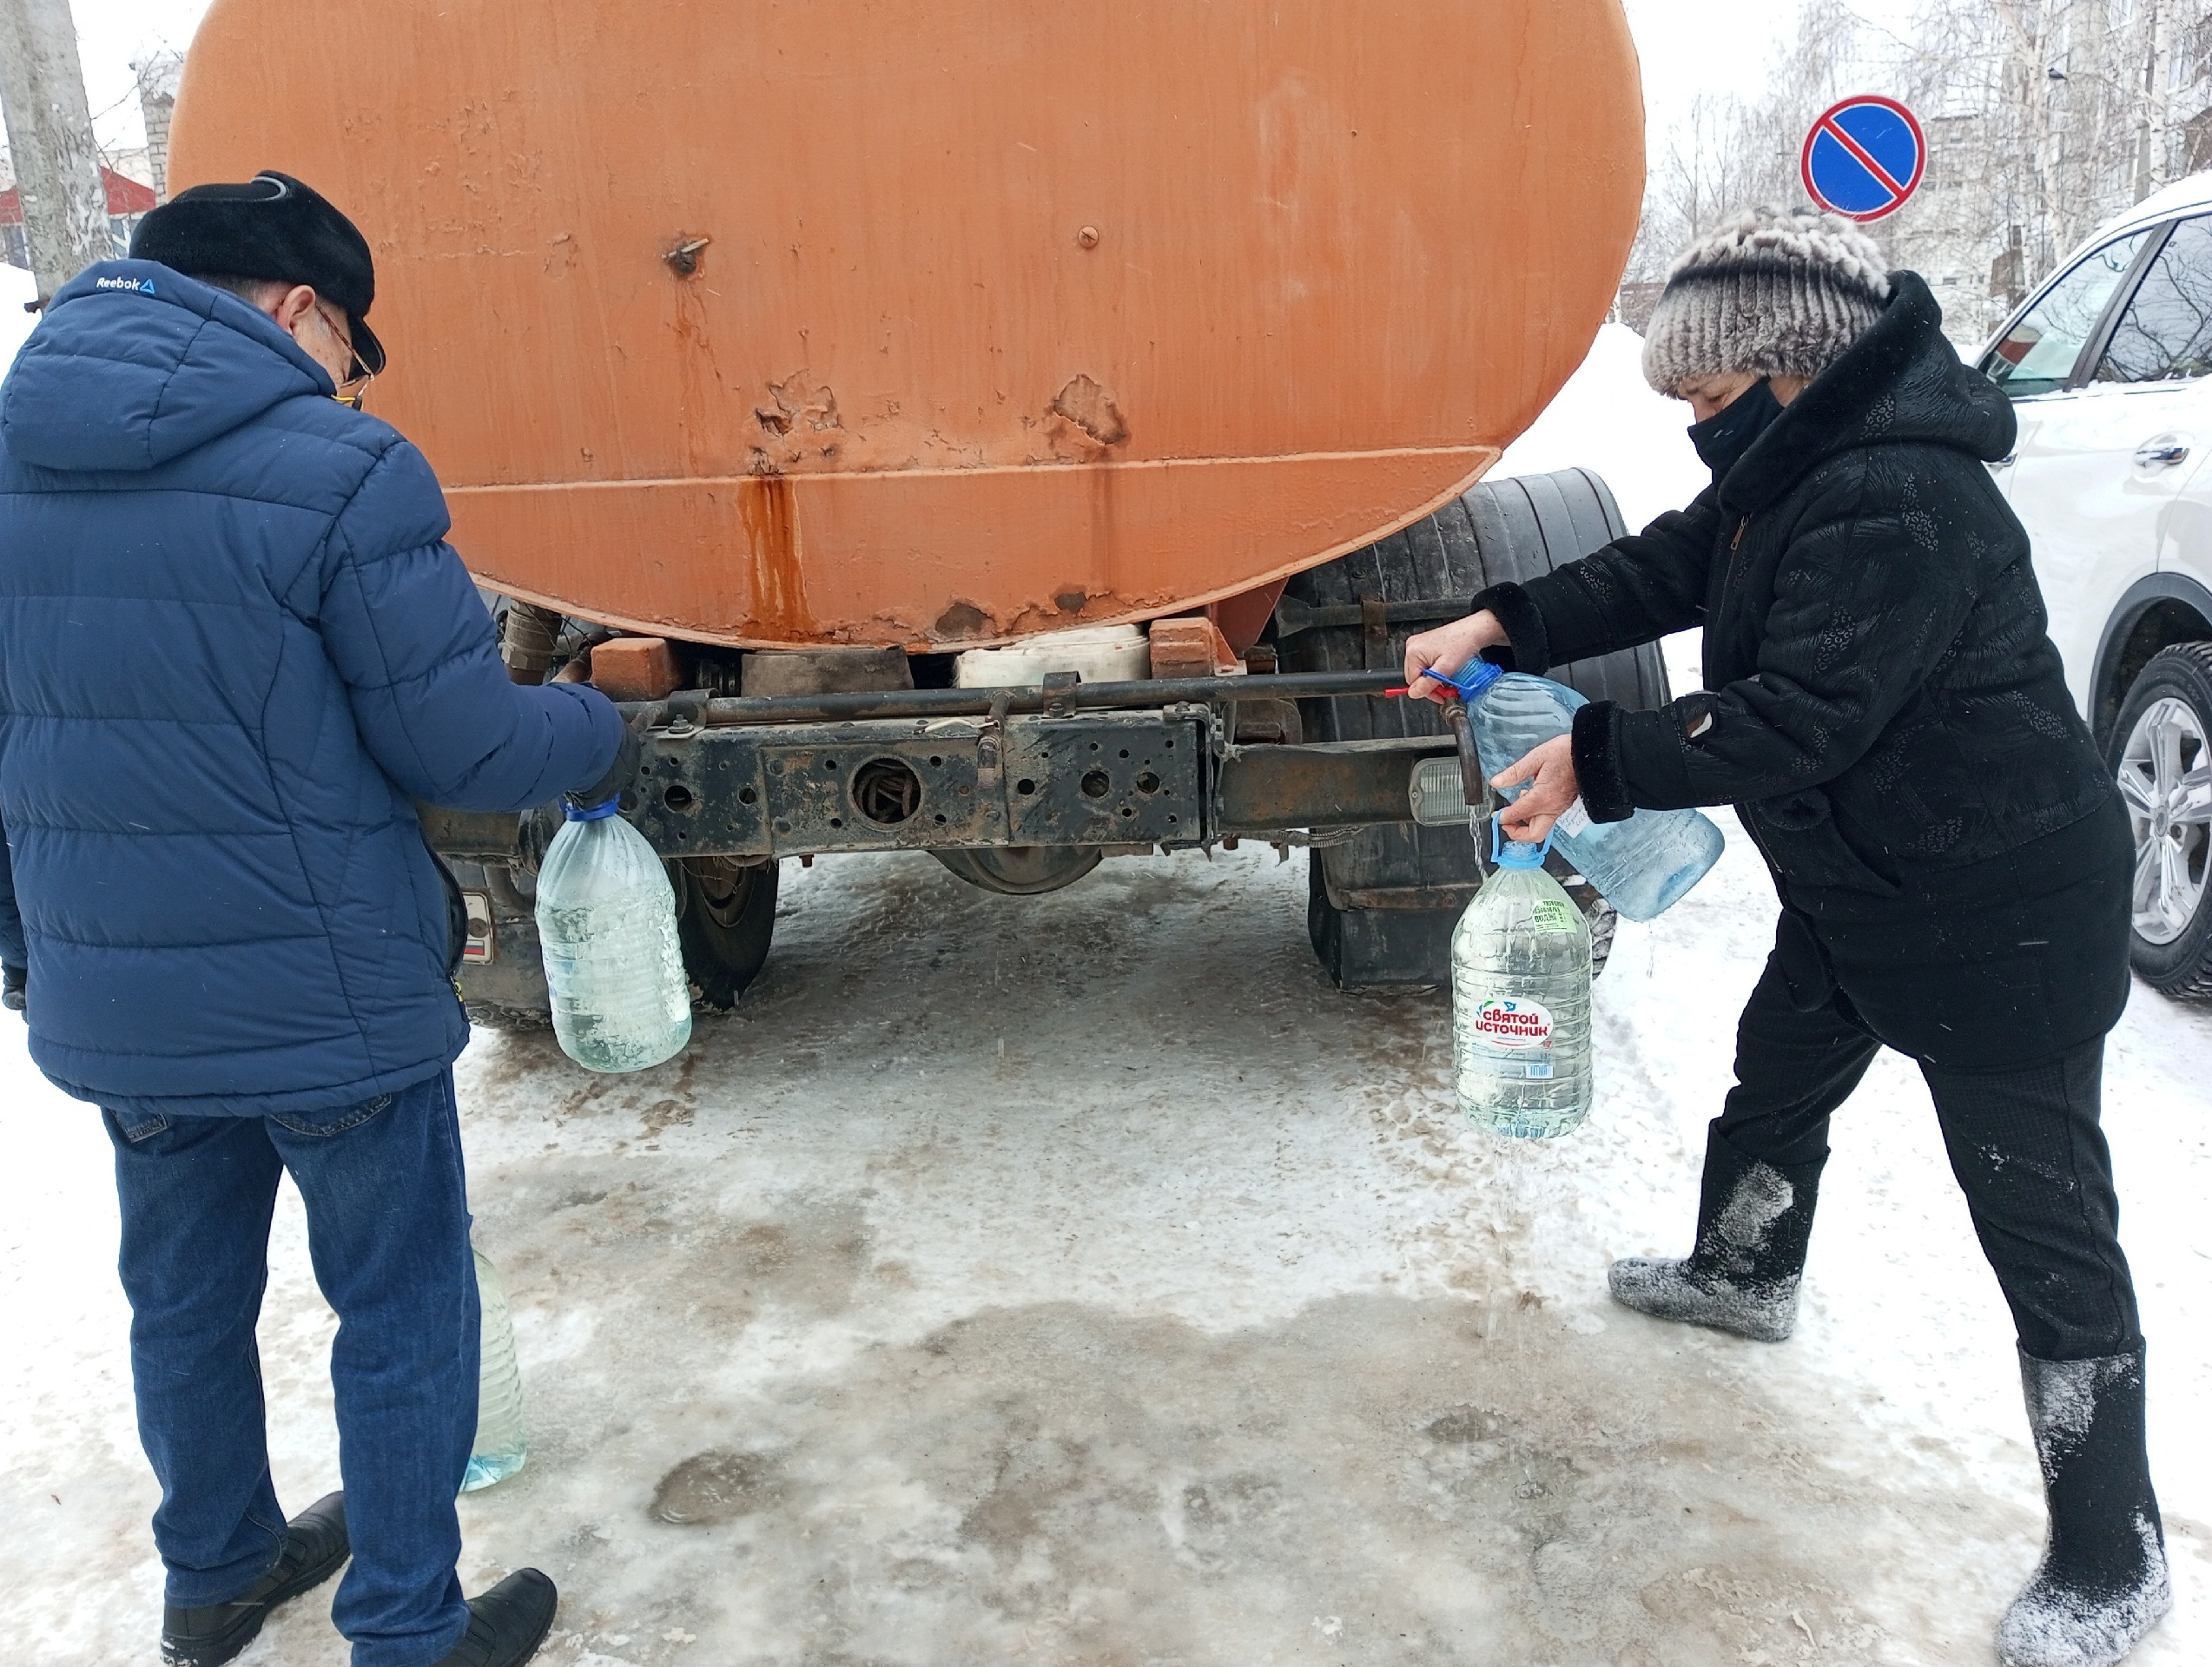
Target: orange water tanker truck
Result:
[[1017, 431]]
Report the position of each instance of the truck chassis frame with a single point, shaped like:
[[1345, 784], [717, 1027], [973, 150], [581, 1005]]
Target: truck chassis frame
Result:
[[1132, 765]]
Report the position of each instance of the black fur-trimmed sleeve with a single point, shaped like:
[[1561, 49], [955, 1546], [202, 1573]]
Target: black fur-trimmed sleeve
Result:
[[1527, 644]]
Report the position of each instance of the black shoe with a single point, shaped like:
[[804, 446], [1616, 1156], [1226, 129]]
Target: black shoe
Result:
[[507, 1624], [1754, 1221], [213, 1633], [2103, 1583]]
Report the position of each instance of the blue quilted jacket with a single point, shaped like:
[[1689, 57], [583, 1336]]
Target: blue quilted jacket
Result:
[[234, 646]]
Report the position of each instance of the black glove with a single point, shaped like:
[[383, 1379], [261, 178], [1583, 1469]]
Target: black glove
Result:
[[534, 835], [12, 981], [621, 774]]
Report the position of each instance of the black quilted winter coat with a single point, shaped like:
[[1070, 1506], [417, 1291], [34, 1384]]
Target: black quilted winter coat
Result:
[[1885, 707]]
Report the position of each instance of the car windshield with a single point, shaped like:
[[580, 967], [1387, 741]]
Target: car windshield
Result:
[[2037, 354], [2166, 334]]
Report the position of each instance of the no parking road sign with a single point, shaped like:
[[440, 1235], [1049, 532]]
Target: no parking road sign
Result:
[[1864, 157]]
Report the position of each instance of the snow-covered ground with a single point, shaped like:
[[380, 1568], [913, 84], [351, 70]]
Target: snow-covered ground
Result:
[[1081, 1279]]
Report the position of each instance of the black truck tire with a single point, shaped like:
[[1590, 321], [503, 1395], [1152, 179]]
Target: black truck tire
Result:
[[725, 918], [1020, 869], [1382, 904]]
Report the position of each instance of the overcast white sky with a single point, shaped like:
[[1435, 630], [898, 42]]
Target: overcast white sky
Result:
[[1694, 46], [1688, 46]]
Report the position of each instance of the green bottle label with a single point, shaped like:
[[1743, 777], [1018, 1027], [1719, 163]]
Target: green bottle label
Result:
[[1552, 915]]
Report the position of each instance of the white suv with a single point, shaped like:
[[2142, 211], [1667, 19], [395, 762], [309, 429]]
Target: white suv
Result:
[[2110, 369]]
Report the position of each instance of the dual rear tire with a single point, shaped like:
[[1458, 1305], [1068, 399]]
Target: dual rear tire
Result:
[[1383, 902]]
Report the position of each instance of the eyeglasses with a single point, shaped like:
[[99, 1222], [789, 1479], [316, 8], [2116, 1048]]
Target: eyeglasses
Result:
[[359, 376]]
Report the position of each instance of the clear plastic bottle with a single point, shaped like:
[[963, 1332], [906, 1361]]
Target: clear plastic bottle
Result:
[[1642, 866], [1521, 999], [500, 1447], [606, 926]]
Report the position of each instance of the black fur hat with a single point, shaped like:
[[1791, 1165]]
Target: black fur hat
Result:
[[272, 226]]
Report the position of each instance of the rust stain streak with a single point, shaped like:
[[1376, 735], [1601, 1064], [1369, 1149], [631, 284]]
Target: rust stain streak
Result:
[[779, 583]]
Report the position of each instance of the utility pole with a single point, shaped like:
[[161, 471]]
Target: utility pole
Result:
[[49, 136]]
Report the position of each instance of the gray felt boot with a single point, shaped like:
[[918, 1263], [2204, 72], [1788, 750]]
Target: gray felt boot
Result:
[[1753, 1223], [2101, 1584]]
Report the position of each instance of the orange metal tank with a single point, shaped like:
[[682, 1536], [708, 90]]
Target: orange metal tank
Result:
[[936, 322]]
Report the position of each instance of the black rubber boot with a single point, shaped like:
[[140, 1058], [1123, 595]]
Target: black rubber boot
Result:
[[1753, 1223], [314, 1549], [507, 1624], [2101, 1584]]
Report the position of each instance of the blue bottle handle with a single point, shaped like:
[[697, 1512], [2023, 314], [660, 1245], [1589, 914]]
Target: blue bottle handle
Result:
[[1498, 842], [1470, 680]]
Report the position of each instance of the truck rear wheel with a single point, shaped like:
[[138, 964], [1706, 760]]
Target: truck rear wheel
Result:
[[1021, 870], [725, 918], [725, 915], [1382, 904]]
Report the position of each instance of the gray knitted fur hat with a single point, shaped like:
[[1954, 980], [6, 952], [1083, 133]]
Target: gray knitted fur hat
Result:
[[1775, 292]]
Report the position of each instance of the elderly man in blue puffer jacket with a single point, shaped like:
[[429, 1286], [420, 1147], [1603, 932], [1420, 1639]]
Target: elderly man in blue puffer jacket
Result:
[[234, 646]]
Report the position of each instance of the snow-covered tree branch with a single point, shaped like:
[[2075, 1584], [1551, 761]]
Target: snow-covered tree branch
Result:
[[2043, 118]]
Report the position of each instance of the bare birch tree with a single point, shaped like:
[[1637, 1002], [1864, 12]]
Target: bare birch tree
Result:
[[2043, 118]]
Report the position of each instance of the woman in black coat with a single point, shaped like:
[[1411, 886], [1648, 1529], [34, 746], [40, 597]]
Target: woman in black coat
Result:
[[1887, 715]]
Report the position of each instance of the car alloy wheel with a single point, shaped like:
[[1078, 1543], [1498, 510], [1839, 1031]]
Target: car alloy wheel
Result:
[[2165, 776], [2160, 753]]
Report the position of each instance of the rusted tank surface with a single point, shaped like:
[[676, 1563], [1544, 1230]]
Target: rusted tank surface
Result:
[[940, 322]]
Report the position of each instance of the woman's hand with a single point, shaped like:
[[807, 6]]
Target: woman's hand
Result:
[[1448, 647], [1551, 767]]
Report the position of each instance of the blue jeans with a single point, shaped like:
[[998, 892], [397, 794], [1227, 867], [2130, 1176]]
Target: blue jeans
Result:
[[388, 1228]]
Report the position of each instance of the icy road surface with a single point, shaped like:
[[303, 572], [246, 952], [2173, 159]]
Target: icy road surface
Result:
[[1082, 1280]]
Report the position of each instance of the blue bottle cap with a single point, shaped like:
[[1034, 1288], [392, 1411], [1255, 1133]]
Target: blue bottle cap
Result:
[[1470, 679], [1511, 853], [591, 813]]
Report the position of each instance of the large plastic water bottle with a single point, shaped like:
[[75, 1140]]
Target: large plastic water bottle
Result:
[[1521, 999], [500, 1448], [606, 926], [1642, 866]]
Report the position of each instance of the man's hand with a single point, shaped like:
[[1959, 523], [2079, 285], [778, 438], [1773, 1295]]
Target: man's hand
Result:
[[538, 825], [1551, 767], [1448, 647], [13, 980]]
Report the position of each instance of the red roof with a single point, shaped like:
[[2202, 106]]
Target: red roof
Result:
[[125, 197]]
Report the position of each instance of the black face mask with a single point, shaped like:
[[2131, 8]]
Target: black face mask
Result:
[[1722, 438]]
